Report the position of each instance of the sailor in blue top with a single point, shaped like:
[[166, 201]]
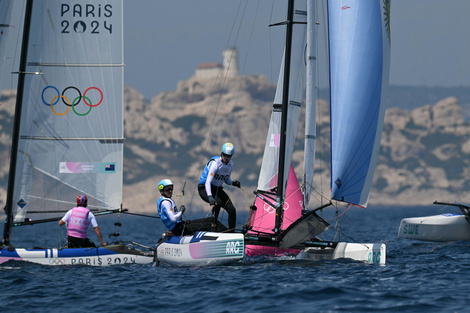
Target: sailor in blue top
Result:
[[215, 174], [169, 213]]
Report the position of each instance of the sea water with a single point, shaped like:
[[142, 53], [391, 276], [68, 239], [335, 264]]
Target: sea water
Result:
[[418, 276]]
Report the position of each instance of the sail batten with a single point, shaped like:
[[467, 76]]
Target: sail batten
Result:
[[116, 140], [74, 65]]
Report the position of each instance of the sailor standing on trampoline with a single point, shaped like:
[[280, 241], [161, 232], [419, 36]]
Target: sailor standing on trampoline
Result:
[[217, 172]]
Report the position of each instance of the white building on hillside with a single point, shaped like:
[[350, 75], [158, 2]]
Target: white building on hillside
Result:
[[228, 68]]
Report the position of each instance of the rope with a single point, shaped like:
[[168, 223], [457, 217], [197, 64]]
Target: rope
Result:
[[202, 157]]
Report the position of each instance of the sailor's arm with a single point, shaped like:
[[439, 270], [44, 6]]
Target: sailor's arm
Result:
[[98, 234]]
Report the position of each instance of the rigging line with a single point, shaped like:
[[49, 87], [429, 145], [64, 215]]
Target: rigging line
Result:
[[140, 245], [352, 239], [245, 62], [462, 195], [138, 214], [225, 74], [270, 44], [344, 212], [247, 51], [338, 226], [315, 192], [246, 57], [216, 81], [224, 79], [350, 221], [201, 159], [341, 231], [248, 193]]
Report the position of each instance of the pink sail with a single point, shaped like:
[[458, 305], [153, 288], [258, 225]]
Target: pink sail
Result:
[[264, 217]]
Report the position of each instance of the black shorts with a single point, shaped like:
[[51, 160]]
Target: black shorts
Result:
[[74, 242]]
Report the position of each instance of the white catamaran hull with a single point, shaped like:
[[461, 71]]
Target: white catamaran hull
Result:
[[204, 248], [365, 252], [103, 256], [443, 228]]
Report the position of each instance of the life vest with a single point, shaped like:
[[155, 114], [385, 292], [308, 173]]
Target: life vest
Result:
[[164, 214], [221, 175], [78, 222]]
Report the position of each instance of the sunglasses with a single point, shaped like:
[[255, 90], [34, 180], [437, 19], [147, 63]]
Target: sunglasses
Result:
[[226, 155], [168, 189]]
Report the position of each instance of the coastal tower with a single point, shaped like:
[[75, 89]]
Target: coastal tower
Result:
[[230, 62]]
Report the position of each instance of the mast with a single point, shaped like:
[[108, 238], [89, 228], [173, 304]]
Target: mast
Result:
[[285, 104], [16, 123]]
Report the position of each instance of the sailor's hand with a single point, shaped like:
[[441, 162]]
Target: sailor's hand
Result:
[[211, 200], [236, 183], [103, 244], [182, 209]]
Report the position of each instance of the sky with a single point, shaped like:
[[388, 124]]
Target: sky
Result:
[[164, 41]]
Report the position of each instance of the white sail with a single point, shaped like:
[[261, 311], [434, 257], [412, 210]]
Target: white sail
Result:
[[311, 97], [6, 7], [71, 131], [268, 173]]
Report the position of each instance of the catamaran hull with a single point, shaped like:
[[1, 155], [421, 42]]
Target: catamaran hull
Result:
[[111, 255], [254, 250], [364, 252], [202, 249], [441, 228]]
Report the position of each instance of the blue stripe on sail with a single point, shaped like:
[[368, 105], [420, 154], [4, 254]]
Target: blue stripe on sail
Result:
[[356, 66]]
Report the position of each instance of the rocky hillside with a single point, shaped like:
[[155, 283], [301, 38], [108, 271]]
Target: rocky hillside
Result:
[[424, 155]]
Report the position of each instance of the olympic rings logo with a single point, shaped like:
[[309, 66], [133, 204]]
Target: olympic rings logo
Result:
[[54, 100], [57, 261], [268, 208]]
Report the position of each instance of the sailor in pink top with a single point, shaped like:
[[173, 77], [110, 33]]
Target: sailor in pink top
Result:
[[78, 220]]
